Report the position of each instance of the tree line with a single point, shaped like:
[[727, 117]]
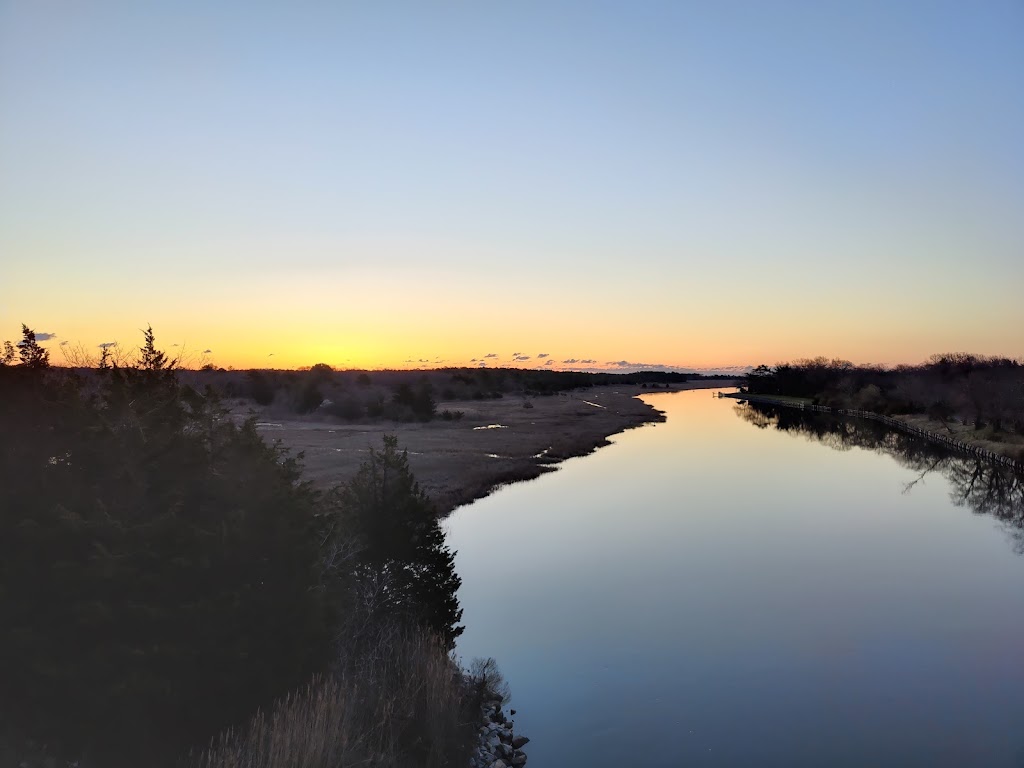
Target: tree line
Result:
[[165, 573], [987, 392]]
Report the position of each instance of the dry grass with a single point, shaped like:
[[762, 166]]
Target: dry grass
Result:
[[404, 706], [1006, 443]]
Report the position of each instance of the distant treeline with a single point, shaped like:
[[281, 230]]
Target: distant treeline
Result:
[[987, 392], [382, 395], [405, 395], [164, 574]]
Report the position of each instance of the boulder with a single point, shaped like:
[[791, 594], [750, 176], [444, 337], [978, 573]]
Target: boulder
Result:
[[519, 742]]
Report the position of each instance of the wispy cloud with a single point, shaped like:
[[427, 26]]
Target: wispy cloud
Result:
[[518, 358], [207, 351], [107, 344], [491, 354], [570, 361], [543, 354], [549, 362], [43, 336]]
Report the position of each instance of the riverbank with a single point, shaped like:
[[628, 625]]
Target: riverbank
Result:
[[495, 442], [959, 436]]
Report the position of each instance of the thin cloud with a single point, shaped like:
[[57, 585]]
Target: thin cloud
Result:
[[107, 345], [571, 361], [64, 343], [543, 354], [43, 336], [473, 360], [520, 358], [588, 362], [549, 362], [207, 351], [491, 354]]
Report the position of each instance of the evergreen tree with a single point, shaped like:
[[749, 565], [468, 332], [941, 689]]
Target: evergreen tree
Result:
[[402, 541], [159, 565], [30, 353]]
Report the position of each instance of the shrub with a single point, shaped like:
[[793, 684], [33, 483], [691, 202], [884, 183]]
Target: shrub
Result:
[[260, 388], [159, 564], [348, 408], [309, 398]]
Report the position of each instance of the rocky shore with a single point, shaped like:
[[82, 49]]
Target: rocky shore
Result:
[[498, 746]]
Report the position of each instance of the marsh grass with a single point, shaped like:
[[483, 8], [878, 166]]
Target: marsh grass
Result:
[[406, 704]]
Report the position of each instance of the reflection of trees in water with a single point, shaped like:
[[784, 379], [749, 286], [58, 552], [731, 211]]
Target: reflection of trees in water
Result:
[[983, 486]]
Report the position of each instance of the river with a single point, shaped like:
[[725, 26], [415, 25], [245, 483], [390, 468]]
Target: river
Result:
[[746, 587]]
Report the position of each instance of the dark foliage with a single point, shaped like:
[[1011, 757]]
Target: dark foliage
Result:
[[984, 391], [260, 388], [158, 563], [401, 545], [164, 572]]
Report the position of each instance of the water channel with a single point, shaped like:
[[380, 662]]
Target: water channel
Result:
[[742, 586]]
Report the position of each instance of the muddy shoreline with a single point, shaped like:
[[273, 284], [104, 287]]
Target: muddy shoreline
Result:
[[494, 443]]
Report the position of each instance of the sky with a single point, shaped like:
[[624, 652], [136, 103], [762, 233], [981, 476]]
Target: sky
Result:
[[693, 184]]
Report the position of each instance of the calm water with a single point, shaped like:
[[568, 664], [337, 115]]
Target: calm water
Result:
[[717, 591]]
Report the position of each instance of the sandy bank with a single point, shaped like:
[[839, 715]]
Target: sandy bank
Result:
[[496, 441]]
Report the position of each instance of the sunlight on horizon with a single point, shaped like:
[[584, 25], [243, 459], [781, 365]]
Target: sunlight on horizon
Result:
[[672, 185]]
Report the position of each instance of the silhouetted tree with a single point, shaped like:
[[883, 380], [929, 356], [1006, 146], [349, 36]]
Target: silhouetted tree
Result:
[[401, 542], [159, 565], [29, 352]]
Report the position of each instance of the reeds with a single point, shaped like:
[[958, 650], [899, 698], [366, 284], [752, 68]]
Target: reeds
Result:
[[407, 704]]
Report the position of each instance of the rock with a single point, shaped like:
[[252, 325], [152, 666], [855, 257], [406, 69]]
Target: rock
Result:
[[519, 759], [519, 742], [499, 764], [512, 712]]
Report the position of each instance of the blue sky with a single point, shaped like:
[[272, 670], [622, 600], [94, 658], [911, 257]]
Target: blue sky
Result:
[[685, 183]]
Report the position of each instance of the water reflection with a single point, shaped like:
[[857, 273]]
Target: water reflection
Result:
[[701, 593], [984, 487]]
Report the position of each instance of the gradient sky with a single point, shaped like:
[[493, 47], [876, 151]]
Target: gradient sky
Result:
[[682, 183]]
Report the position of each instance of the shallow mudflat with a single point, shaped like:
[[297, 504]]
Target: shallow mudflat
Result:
[[495, 442]]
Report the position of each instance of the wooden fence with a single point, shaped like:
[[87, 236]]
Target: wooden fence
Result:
[[902, 426]]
